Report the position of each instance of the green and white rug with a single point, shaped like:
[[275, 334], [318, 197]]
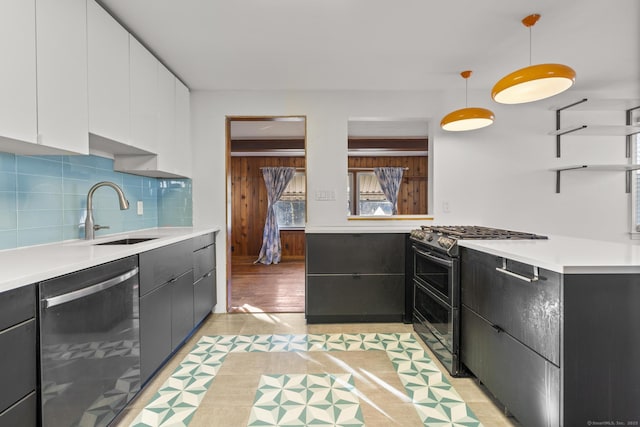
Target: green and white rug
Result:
[[323, 399]]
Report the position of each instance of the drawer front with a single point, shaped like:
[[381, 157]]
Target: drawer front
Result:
[[355, 253], [204, 260], [22, 414], [530, 312], [203, 241], [355, 295], [204, 296], [155, 330], [181, 309], [163, 264], [17, 305], [17, 363], [526, 383]]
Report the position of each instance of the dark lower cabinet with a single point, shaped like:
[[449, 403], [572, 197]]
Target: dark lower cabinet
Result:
[[204, 296], [557, 350], [155, 330], [204, 276], [356, 298], [170, 310], [18, 360], [181, 308], [166, 303], [355, 277], [527, 384]]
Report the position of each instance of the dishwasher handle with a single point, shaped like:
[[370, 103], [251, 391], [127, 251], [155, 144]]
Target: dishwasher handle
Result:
[[89, 290]]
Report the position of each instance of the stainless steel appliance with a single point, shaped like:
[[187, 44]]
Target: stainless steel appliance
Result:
[[89, 344], [436, 285]]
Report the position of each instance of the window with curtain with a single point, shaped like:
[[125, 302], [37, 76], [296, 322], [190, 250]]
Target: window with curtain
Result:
[[291, 208], [368, 199]]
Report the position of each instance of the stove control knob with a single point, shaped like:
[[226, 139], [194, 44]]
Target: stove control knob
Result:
[[430, 238], [445, 242]]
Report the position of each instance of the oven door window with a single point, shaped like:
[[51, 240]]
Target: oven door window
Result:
[[434, 275], [437, 314]]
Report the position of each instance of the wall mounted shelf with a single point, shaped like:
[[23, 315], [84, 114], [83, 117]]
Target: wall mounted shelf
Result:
[[627, 130], [627, 169]]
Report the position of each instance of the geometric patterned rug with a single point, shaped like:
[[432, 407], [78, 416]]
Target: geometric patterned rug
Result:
[[434, 399], [298, 400]]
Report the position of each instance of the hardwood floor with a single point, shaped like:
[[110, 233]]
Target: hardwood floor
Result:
[[275, 288]]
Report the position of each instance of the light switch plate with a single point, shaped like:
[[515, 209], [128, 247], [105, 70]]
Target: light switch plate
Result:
[[325, 195], [140, 207]]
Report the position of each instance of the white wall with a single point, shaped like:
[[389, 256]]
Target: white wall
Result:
[[497, 176]]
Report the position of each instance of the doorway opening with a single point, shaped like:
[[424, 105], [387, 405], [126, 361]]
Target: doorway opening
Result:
[[254, 143]]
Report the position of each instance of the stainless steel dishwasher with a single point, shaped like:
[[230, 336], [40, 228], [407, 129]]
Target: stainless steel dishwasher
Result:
[[89, 344]]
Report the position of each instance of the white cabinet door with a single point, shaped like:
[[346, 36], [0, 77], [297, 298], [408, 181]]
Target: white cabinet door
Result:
[[61, 55], [182, 152], [108, 75], [144, 96], [18, 118], [166, 118]]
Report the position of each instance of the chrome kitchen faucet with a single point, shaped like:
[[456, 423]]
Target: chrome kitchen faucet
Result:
[[89, 226]]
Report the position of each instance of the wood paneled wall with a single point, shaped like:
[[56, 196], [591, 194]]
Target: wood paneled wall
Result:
[[249, 198], [249, 207], [412, 197]]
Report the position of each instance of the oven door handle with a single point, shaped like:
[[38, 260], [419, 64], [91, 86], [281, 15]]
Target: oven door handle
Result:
[[89, 290], [433, 258]]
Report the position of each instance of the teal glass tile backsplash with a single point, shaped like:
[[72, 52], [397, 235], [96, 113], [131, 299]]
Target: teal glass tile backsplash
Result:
[[44, 199]]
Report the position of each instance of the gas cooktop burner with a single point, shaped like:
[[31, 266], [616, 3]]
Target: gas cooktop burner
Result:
[[477, 232], [446, 237]]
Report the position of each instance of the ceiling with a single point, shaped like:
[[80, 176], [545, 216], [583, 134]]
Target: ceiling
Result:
[[383, 44]]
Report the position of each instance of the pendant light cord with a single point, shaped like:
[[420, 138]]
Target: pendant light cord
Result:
[[466, 93], [529, 46]]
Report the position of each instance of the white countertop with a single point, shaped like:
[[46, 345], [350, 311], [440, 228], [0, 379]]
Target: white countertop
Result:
[[567, 255], [31, 264]]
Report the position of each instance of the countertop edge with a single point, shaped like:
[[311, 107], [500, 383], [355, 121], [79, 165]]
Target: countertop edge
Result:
[[91, 255]]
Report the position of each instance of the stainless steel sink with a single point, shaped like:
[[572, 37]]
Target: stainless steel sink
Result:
[[129, 241]]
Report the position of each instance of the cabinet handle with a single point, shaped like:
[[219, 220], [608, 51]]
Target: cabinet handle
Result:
[[504, 270], [355, 275], [208, 274], [175, 279], [497, 328]]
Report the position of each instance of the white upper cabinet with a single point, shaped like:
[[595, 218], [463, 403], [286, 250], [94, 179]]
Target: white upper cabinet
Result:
[[182, 146], [166, 113], [143, 74], [61, 57], [43, 78], [18, 120], [109, 113]]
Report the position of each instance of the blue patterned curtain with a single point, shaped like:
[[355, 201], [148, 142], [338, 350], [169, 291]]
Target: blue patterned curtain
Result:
[[390, 179], [276, 180]]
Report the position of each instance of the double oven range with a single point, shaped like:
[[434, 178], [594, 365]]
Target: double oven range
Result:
[[436, 285]]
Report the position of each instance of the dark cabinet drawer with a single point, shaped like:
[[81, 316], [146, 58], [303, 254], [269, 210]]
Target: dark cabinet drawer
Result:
[[203, 241], [160, 265], [17, 305], [357, 297], [181, 308], [18, 364], [22, 414], [204, 296], [355, 253], [530, 312], [204, 260], [526, 383]]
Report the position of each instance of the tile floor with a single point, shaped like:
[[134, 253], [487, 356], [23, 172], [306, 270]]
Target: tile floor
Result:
[[275, 370]]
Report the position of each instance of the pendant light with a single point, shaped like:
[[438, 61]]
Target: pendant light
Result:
[[468, 118], [534, 82]]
